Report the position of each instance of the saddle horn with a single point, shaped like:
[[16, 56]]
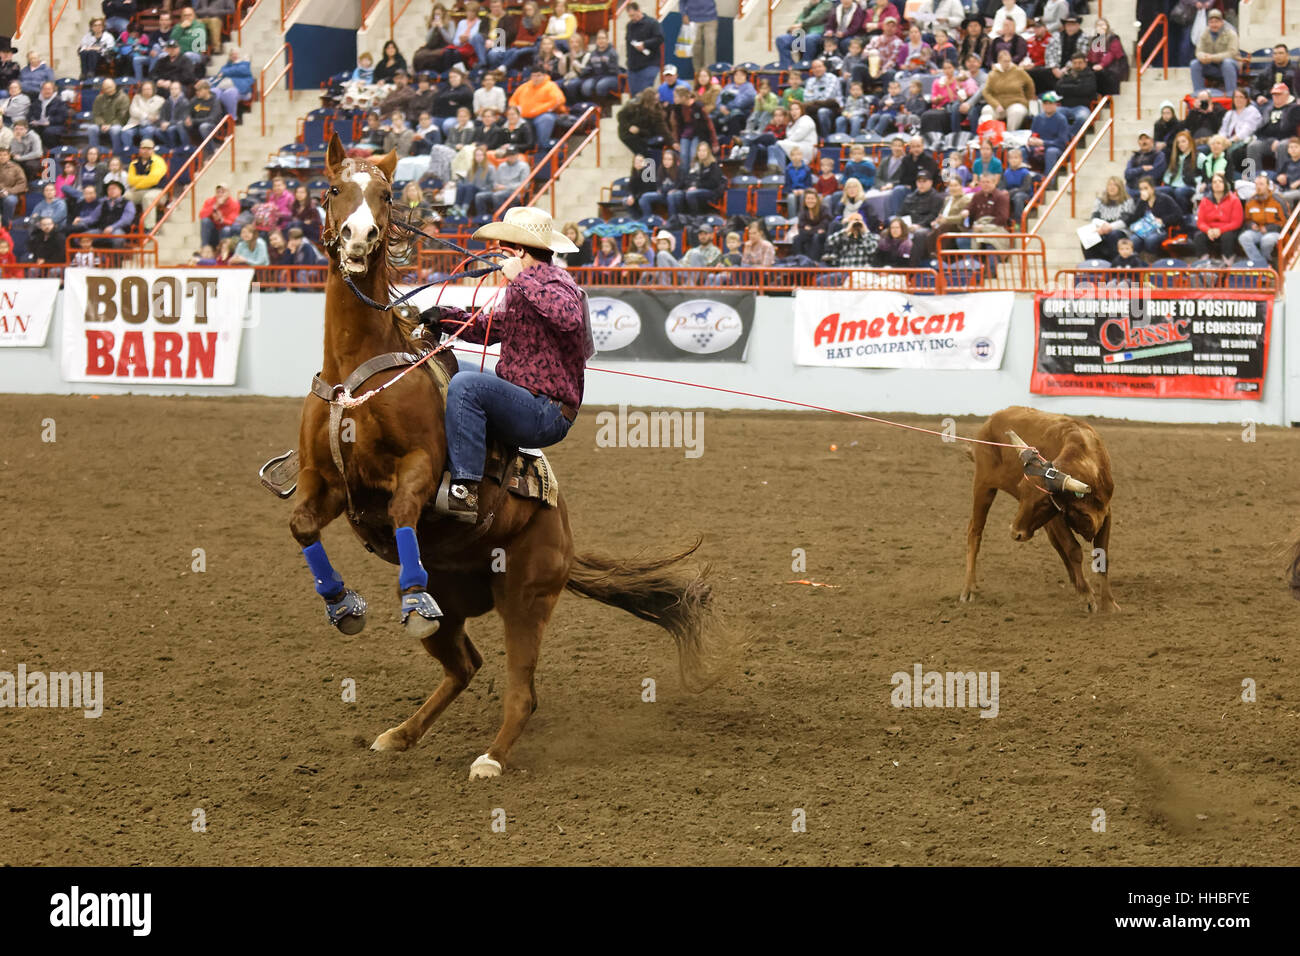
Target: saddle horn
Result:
[[1036, 466]]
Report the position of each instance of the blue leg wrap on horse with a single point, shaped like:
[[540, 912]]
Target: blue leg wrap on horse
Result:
[[408, 552], [328, 581]]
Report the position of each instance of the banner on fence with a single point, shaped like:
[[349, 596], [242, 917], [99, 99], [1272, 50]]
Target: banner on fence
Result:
[[154, 325], [879, 329], [1151, 343], [26, 307], [696, 326]]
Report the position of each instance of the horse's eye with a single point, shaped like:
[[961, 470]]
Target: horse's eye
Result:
[[334, 190]]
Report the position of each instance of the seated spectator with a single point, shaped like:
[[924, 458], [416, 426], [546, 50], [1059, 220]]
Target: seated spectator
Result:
[[922, 206], [598, 78], [798, 178], [47, 245], [642, 124], [850, 199], [439, 51], [86, 257], [793, 88], [471, 31], [530, 26], [1166, 127], [478, 179], [1125, 257], [1020, 181], [822, 97], [608, 255], [173, 67], [172, 116], [1147, 162], [1239, 125], [204, 114], [217, 215], [89, 211], [1009, 11], [8, 262], [1204, 118], [115, 171], [859, 167], [1154, 214], [505, 180], [235, 82], [1042, 56], [689, 124], [251, 249], [550, 61], [15, 104], [852, 247], [145, 174], [1281, 120], [540, 101], [51, 206], [801, 134], [26, 150], [574, 260], [515, 134], [795, 44], [735, 102], [1216, 54], [808, 237], [664, 244], [118, 213], [498, 30], [1181, 175], [948, 91], [561, 25], [881, 196], [1215, 161], [1077, 88], [894, 250], [1264, 216], [1219, 219], [1278, 71], [669, 177], [855, 111], [35, 74], [144, 115], [1288, 174], [211, 14], [705, 254], [390, 62], [1007, 93], [642, 180], [192, 38], [1110, 217], [152, 47], [1006, 36], [758, 250], [990, 210], [109, 113], [639, 250], [13, 185], [916, 56], [303, 253], [399, 136], [1049, 133], [826, 182], [74, 176], [703, 184], [968, 108], [49, 115], [96, 44], [365, 68], [9, 69], [1107, 58], [883, 50], [885, 118], [950, 218]]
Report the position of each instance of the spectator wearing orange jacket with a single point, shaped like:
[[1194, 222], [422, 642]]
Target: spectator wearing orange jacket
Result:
[[539, 101], [1218, 219], [217, 215]]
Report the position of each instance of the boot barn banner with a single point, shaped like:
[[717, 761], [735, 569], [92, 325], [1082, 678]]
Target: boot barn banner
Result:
[[876, 329], [1151, 343], [695, 326], [26, 307], [154, 325]]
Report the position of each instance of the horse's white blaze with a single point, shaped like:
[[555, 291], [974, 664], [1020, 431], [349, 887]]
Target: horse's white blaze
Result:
[[362, 220]]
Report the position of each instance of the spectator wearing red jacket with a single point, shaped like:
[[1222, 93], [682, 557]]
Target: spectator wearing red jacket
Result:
[[217, 217], [1219, 218]]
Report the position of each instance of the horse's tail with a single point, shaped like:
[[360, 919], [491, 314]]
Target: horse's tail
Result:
[[681, 604]]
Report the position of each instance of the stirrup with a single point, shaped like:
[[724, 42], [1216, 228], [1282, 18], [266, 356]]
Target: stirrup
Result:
[[457, 507], [280, 475]]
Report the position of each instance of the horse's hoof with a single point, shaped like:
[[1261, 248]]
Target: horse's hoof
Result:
[[392, 740], [420, 614], [348, 613], [966, 597], [484, 768]]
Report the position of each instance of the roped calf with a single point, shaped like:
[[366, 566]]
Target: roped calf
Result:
[[1062, 479]]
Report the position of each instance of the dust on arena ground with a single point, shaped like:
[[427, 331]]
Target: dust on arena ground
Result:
[[224, 688]]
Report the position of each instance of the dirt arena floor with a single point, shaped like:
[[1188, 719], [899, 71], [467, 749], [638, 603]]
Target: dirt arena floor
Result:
[[223, 688]]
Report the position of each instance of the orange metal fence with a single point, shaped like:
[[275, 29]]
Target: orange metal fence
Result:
[[113, 250], [1246, 279], [1160, 23], [551, 162], [997, 261], [263, 87], [223, 134]]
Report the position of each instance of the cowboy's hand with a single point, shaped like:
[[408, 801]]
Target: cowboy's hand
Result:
[[512, 267]]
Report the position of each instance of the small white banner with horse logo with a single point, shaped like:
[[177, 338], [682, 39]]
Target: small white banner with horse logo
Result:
[[877, 329], [154, 325], [26, 307]]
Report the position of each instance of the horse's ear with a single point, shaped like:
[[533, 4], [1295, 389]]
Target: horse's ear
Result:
[[334, 155], [387, 164]]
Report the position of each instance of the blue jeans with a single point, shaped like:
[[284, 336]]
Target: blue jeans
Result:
[[1227, 67], [785, 47], [599, 86], [543, 125], [1075, 115], [477, 400], [1258, 246], [8, 205], [850, 123], [642, 78]]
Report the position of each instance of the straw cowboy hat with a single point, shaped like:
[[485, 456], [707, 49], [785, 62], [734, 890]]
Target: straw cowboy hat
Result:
[[527, 226]]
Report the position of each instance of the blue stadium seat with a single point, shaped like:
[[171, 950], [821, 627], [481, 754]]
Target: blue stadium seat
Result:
[[964, 273], [1161, 280]]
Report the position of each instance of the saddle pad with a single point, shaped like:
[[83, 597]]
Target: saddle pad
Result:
[[531, 477]]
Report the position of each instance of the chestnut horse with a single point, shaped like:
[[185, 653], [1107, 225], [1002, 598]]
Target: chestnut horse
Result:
[[392, 449]]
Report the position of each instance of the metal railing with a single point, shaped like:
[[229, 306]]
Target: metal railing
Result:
[[552, 162], [771, 9], [1245, 279], [757, 279], [1017, 262], [1161, 22], [195, 166], [369, 7], [116, 250], [263, 87], [1289, 243], [1068, 158]]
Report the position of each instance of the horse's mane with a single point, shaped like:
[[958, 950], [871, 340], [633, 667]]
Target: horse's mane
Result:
[[401, 252]]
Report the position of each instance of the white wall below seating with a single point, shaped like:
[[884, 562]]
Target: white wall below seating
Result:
[[280, 355]]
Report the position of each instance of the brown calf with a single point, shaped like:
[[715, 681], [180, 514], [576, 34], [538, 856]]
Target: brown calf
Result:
[[1074, 448]]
